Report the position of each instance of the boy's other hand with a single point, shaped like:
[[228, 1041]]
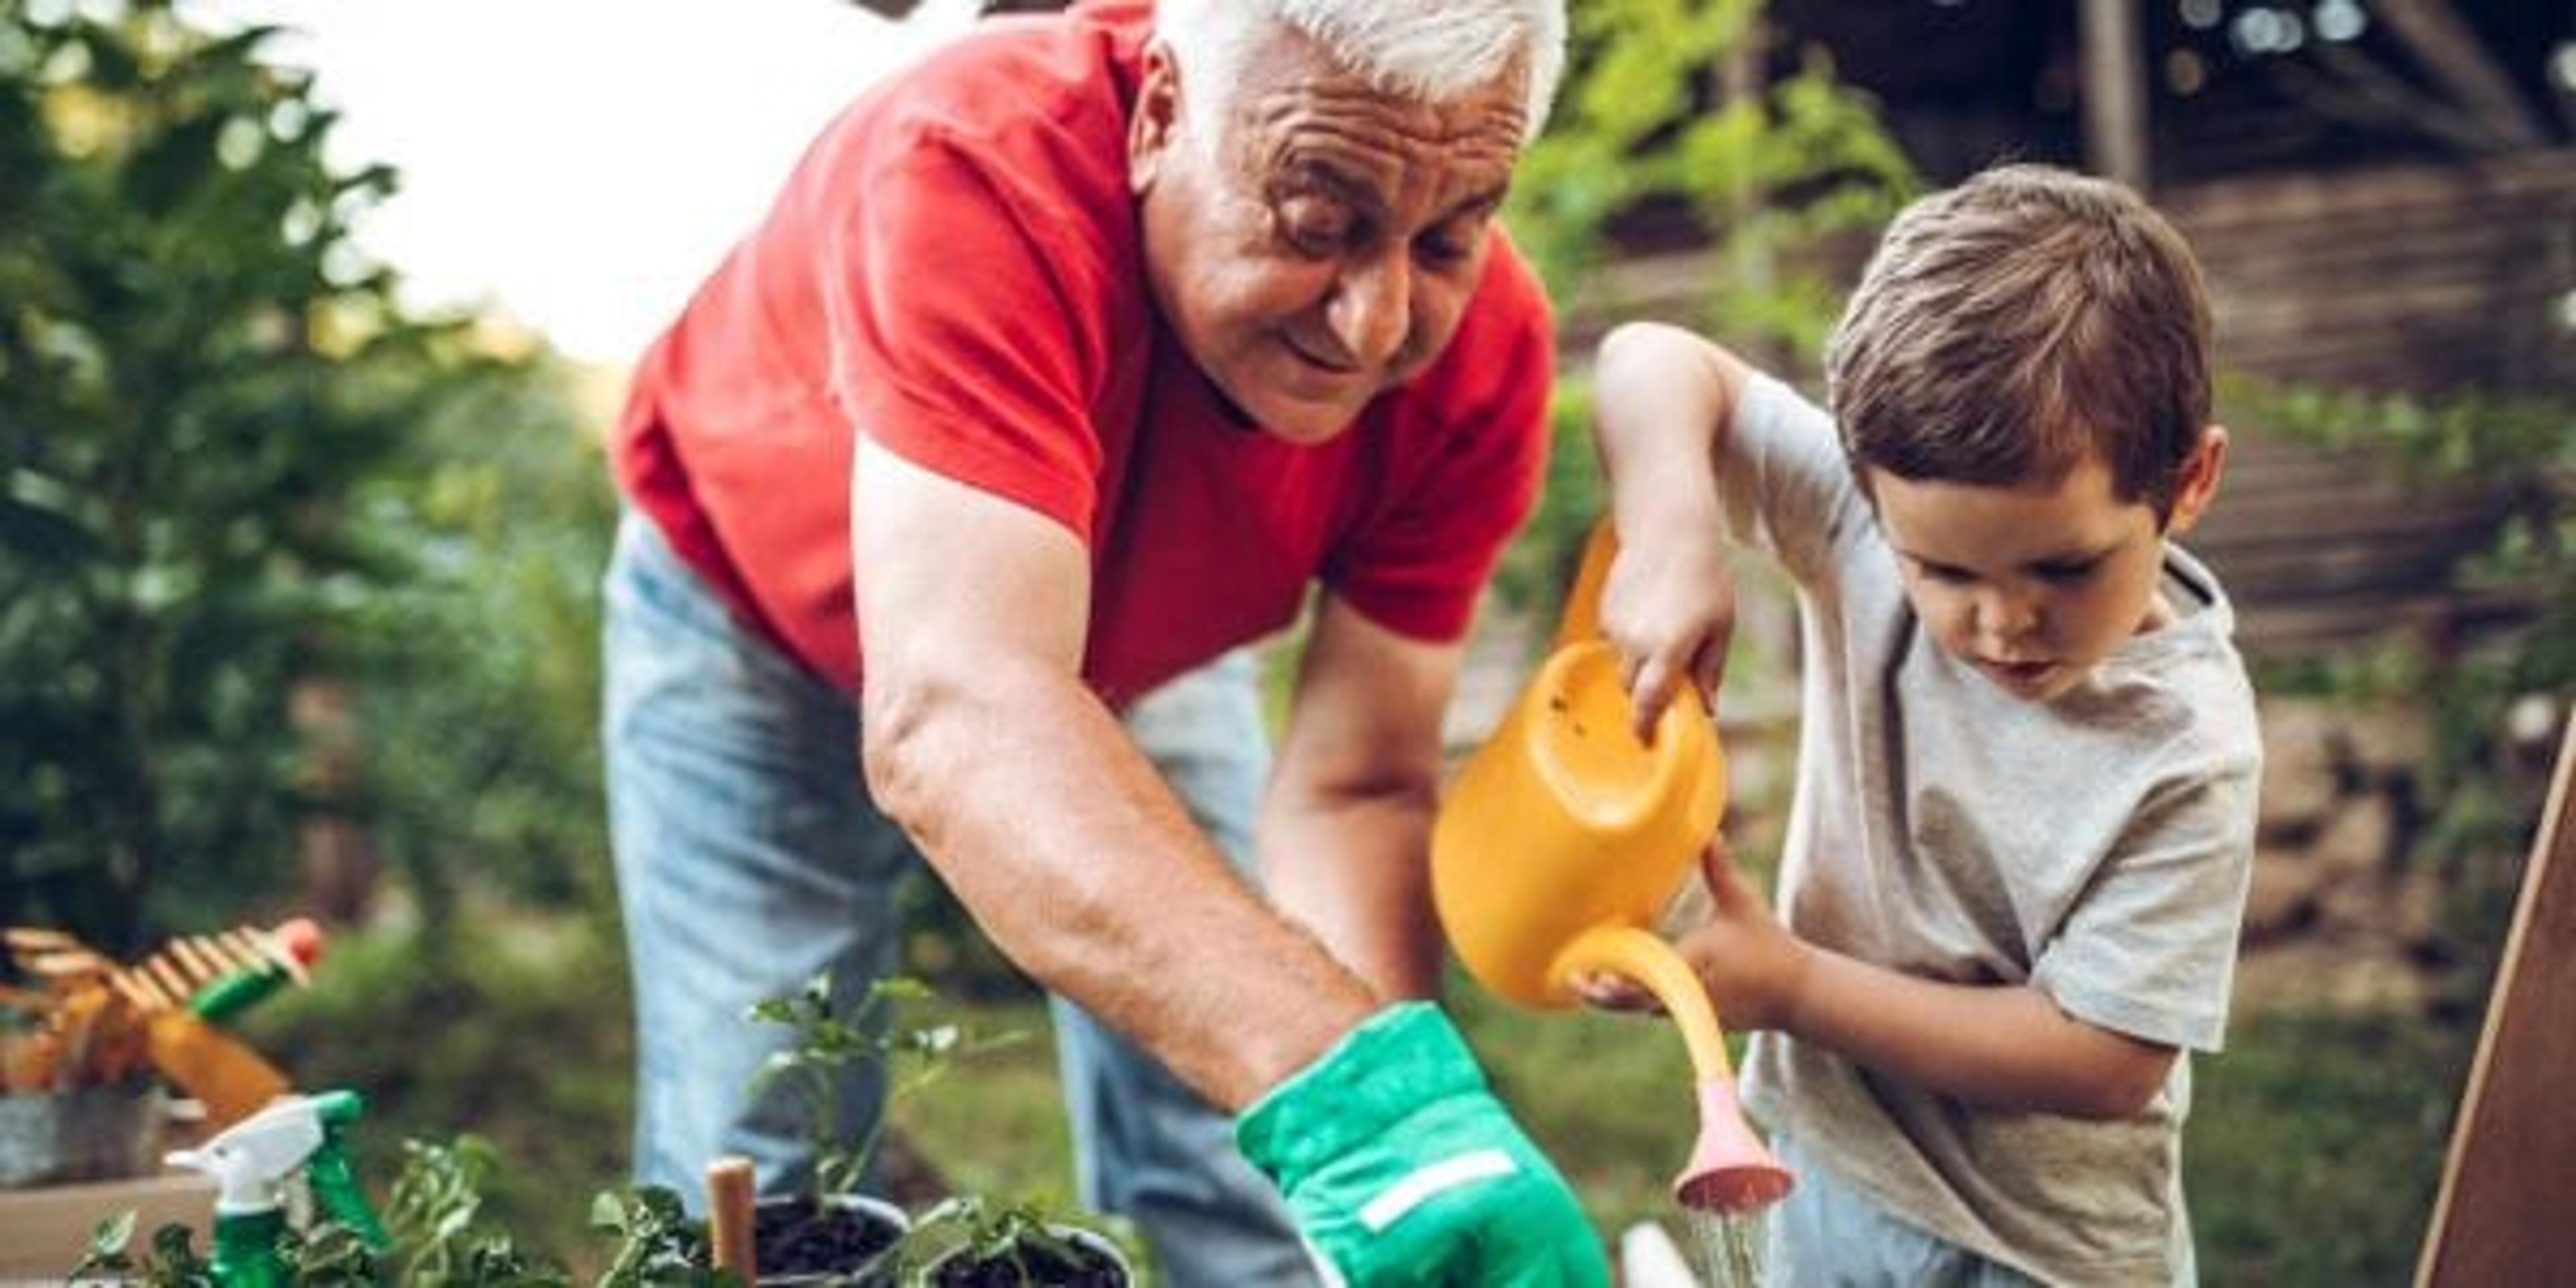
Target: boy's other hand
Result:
[[1750, 963], [1669, 608]]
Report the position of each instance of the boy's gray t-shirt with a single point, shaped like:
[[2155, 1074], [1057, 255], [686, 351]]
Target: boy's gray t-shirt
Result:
[[2095, 847]]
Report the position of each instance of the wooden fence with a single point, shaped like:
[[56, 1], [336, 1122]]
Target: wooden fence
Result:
[[2425, 280], [2422, 278]]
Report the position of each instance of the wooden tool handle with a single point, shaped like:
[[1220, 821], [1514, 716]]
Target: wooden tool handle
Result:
[[210, 1065], [729, 1215]]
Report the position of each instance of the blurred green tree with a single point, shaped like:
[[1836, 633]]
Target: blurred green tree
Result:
[[1679, 126], [216, 499], [478, 672], [1682, 108]]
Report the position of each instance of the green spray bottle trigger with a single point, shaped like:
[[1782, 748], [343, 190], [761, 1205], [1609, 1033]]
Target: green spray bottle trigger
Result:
[[252, 1161]]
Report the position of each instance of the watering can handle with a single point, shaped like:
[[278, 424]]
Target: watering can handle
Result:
[[1582, 619], [1581, 622]]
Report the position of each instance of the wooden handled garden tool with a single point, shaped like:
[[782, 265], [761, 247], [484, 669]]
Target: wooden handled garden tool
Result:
[[182, 991], [729, 1216], [1561, 839]]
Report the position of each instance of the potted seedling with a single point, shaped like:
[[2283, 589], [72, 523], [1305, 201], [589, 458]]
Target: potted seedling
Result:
[[437, 1236], [972, 1242], [833, 1231]]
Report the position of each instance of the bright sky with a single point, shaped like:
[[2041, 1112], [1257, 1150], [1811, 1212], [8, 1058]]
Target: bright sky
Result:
[[579, 164]]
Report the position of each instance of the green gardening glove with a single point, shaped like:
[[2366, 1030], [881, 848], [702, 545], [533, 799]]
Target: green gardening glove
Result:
[[1400, 1167]]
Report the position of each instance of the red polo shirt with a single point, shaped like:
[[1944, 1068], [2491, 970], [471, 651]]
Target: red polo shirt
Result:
[[953, 270]]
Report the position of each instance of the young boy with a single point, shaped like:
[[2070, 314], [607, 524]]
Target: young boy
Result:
[[2015, 866]]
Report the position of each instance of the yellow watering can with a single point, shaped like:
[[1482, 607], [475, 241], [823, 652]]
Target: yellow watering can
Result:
[[1561, 840]]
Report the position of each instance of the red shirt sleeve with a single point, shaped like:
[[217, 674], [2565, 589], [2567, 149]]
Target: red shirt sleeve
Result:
[[961, 349]]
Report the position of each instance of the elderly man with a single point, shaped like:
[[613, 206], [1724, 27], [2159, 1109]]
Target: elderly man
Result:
[[1065, 364]]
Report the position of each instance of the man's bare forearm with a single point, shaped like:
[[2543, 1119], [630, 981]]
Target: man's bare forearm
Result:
[[1350, 867], [1072, 853]]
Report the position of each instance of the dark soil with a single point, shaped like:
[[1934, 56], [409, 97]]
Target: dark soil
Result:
[[796, 1236], [1032, 1268]]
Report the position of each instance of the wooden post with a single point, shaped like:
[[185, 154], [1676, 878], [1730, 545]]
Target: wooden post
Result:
[[2509, 1186], [2115, 91]]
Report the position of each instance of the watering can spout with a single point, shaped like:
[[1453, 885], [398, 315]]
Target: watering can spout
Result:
[[1561, 839], [1729, 1169]]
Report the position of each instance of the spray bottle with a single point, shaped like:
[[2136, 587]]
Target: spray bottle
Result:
[[253, 1160]]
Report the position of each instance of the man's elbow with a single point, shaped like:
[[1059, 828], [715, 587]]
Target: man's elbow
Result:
[[895, 719], [1397, 785]]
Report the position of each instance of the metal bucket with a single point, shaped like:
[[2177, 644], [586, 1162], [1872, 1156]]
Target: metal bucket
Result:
[[94, 1134]]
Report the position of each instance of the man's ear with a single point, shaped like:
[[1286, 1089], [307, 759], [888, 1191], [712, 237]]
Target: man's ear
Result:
[[1154, 126], [2198, 483]]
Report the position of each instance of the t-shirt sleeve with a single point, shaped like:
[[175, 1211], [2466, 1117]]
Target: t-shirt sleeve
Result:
[[1784, 483], [1417, 566], [955, 342], [2150, 947]]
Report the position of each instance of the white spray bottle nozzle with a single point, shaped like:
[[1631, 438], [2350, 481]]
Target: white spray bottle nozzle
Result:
[[251, 1159]]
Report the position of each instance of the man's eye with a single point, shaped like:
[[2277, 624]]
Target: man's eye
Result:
[[1446, 246], [1943, 573], [2068, 573], [1314, 239], [1313, 228]]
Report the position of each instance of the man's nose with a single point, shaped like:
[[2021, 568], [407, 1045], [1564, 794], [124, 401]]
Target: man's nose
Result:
[[1371, 311]]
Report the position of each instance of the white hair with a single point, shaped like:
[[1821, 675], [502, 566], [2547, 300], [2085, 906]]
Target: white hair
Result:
[[1430, 51]]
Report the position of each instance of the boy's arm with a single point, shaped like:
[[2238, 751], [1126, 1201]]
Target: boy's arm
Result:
[[2003, 1045], [1664, 398]]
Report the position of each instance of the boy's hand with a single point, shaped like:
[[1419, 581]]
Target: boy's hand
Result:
[[1750, 964], [1669, 608], [1400, 1167]]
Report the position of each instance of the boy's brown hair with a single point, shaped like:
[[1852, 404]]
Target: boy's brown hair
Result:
[[2012, 325]]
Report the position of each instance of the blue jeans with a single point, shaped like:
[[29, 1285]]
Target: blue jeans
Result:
[[750, 858], [1826, 1232]]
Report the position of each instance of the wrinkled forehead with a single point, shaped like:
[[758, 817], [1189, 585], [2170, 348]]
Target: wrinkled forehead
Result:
[[1291, 114]]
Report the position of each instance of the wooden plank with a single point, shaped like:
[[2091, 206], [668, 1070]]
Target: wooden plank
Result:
[[2339, 258], [2272, 631], [2509, 1183], [2115, 90], [2382, 514], [2297, 196], [2462, 306]]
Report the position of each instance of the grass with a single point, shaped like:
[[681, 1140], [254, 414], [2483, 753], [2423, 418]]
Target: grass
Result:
[[518, 1031], [2315, 1146], [994, 1124], [1608, 1097], [2315, 1143]]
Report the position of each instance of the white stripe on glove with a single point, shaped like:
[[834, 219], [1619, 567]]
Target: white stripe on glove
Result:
[[1426, 1183]]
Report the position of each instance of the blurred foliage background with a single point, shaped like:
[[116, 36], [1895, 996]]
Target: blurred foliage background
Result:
[[297, 614]]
